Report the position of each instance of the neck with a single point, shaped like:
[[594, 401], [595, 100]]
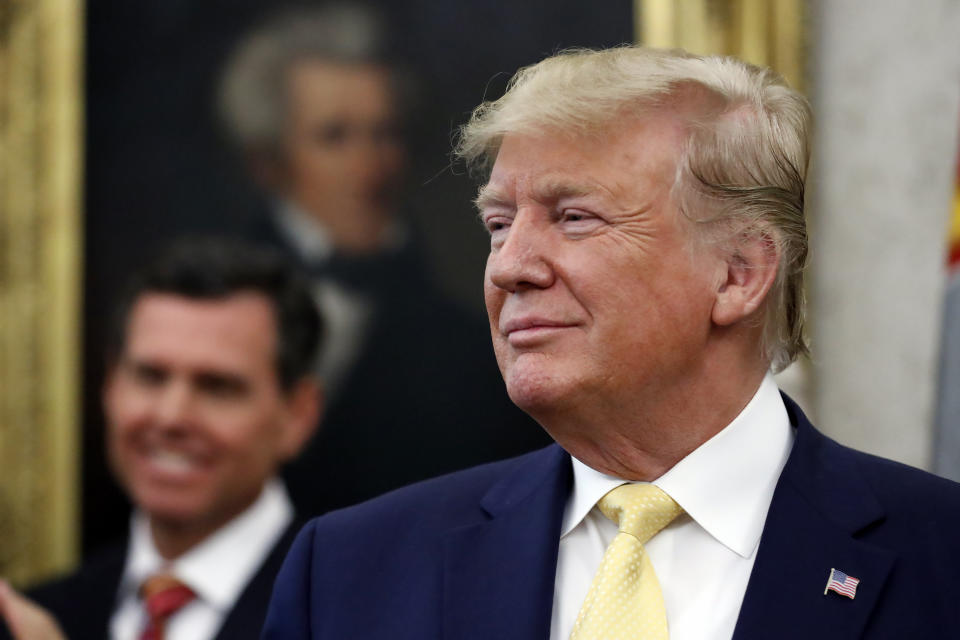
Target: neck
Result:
[[172, 540], [174, 537], [644, 438]]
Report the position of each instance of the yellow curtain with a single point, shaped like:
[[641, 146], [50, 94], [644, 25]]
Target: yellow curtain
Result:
[[765, 32], [40, 237]]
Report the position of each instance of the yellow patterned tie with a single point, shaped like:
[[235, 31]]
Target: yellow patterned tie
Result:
[[624, 601]]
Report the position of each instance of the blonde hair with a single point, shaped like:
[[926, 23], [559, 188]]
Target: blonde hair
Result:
[[743, 168]]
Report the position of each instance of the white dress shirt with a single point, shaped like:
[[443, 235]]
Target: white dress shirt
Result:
[[703, 558], [217, 570]]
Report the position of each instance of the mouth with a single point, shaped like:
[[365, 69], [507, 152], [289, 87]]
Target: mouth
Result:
[[171, 464], [529, 331]]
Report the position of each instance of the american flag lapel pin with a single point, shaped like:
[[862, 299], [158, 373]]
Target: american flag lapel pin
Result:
[[842, 583]]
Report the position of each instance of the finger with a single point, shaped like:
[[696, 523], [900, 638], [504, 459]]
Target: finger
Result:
[[25, 619]]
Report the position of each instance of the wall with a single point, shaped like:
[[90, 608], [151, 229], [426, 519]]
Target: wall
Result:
[[884, 82]]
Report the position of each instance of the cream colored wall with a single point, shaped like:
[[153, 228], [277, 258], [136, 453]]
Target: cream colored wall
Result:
[[884, 79]]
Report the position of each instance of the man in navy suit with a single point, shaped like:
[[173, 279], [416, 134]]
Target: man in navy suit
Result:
[[645, 211]]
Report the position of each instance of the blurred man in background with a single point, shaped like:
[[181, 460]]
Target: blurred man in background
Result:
[[210, 390], [313, 102]]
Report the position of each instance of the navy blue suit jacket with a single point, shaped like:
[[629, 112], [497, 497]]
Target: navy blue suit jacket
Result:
[[472, 556]]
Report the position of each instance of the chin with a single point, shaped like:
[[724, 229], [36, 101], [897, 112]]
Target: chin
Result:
[[170, 508], [536, 393]]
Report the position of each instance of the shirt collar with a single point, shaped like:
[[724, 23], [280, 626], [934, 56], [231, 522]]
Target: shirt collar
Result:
[[214, 569], [310, 239], [725, 485]]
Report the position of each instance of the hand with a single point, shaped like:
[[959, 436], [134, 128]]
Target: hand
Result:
[[25, 619]]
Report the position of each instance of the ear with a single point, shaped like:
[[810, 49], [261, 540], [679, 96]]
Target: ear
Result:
[[304, 407], [751, 269]]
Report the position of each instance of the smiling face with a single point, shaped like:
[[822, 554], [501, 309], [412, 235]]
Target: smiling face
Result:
[[197, 421], [595, 295]]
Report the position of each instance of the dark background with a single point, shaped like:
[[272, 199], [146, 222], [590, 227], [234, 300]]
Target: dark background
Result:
[[158, 166]]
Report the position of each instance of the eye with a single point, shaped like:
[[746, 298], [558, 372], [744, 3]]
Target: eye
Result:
[[497, 225], [575, 215], [147, 374], [221, 385], [331, 134], [578, 220]]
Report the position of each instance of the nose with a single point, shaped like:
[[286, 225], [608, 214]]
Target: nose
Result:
[[173, 408], [523, 259]]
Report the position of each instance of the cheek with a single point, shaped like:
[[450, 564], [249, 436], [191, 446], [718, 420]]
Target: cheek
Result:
[[120, 453], [311, 172], [392, 160], [125, 408], [312, 168], [250, 434], [493, 298]]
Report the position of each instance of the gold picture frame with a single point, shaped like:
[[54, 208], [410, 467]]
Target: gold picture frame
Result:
[[40, 266], [764, 32]]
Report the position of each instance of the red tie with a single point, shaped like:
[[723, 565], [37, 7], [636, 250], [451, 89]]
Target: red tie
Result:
[[163, 595]]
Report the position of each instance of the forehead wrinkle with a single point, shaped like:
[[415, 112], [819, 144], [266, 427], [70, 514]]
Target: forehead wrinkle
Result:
[[618, 196], [573, 180], [553, 188]]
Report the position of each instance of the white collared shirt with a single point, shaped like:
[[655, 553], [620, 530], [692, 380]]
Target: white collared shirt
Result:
[[703, 558], [217, 570]]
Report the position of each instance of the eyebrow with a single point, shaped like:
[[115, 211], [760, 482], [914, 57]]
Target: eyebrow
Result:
[[559, 189], [551, 190], [221, 381], [489, 197]]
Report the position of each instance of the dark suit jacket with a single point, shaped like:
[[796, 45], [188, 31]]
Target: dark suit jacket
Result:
[[472, 556], [84, 601]]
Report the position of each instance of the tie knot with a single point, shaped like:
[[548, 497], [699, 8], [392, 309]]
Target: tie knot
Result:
[[641, 510], [164, 595]]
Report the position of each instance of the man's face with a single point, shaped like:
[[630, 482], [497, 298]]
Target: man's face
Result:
[[595, 294], [196, 418], [342, 152]]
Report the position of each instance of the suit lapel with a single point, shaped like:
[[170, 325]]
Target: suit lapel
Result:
[[499, 573], [820, 505]]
